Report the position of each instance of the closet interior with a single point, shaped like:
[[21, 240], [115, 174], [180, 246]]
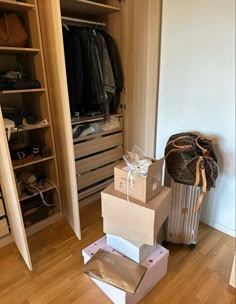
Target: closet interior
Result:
[[92, 91], [95, 82]]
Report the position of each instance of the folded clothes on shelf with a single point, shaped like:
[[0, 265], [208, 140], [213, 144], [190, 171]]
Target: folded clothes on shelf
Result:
[[15, 80]]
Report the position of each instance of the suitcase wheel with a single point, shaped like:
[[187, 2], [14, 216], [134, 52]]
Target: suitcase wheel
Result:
[[165, 243], [192, 246]]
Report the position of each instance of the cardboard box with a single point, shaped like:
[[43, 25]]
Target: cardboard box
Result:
[[156, 263], [132, 219], [139, 187], [134, 250]]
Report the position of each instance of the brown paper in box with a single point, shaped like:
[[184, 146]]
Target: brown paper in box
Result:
[[139, 187], [115, 270]]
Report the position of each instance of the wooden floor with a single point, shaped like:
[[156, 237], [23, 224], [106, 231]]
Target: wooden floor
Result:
[[194, 276]]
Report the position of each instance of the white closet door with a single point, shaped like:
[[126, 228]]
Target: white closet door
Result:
[[11, 197], [51, 30]]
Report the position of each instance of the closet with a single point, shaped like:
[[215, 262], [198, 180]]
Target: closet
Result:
[[135, 26]]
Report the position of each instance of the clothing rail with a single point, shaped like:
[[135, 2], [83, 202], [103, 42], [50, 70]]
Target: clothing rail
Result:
[[75, 21]]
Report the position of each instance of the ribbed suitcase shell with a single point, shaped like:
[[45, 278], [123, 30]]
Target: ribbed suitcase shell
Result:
[[183, 221]]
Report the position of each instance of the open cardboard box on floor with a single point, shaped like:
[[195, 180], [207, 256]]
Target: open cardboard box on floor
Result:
[[139, 187], [156, 264], [132, 219]]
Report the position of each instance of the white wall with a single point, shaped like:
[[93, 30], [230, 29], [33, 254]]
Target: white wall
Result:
[[197, 90]]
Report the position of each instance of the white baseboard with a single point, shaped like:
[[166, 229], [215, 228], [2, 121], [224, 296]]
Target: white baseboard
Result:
[[218, 226]]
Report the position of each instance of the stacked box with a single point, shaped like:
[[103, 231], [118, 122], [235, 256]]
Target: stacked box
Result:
[[139, 187], [134, 209], [134, 250], [156, 264], [134, 220]]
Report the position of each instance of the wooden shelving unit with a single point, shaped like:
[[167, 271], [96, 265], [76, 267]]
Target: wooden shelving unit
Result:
[[30, 59]]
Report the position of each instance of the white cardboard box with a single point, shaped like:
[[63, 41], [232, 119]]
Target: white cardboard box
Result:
[[139, 187], [134, 250], [156, 263], [134, 220]]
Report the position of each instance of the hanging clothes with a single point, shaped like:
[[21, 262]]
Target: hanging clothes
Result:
[[116, 68], [74, 69], [92, 73]]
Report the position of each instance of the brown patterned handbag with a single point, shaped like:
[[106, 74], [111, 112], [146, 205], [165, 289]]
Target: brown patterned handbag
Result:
[[12, 32], [191, 160]]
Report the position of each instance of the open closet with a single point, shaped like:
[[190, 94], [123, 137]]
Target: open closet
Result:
[[84, 149], [135, 27], [95, 83]]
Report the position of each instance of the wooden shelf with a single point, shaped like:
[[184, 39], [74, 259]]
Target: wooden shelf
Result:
[[8, 5], [45, 189], [55, 217], [18, 50], [85, 8], [36, 161], [22, 91], [33, 127]]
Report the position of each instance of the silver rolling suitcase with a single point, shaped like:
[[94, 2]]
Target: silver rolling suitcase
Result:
[[183, 221]]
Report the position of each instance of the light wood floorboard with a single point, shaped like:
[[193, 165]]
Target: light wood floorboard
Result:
[[194, 276]]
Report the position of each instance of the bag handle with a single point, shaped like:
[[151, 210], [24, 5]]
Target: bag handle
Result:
[[204, 151], [200, 170], [177, 147], [176, 139], [5, 35], [185, 147]]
